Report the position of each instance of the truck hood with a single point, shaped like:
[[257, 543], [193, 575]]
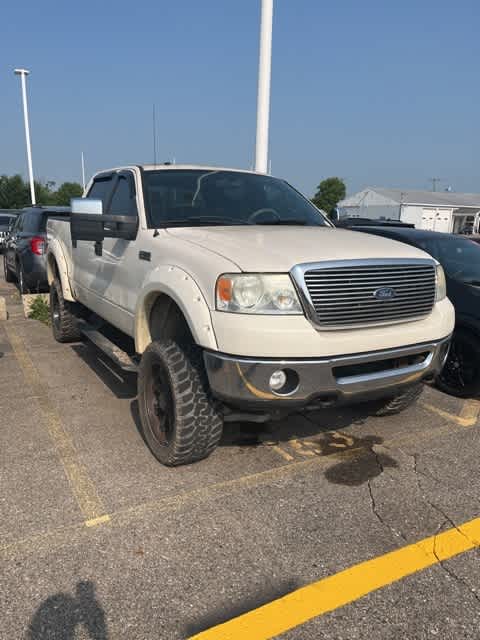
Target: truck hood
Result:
[[278, 249]]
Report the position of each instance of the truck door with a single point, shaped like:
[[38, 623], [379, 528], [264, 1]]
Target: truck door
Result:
[[86, 258], [123, 271]]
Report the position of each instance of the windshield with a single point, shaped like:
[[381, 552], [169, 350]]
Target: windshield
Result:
[[187, 197], [459, 257]]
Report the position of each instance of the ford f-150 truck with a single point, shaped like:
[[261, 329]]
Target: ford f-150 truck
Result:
[[236, 299]]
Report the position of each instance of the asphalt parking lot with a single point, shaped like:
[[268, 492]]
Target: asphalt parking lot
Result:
[[98, 540]]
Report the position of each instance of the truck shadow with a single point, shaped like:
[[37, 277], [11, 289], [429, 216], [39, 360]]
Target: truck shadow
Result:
[[300, 425], [325, 435], [121, 383]]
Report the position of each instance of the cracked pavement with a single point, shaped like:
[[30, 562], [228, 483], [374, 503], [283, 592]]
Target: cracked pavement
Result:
[[187, 548]]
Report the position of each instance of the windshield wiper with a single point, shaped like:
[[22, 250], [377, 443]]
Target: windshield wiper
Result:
[[217, 220], [286, 221]]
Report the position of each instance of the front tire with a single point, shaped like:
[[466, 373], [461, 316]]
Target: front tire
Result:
[[9, 277], [62, 317], [180, 421], [460, 375], [400, 402]]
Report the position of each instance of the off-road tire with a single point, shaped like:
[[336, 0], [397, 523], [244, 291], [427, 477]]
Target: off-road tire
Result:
[[64, 325], [9, 276], [195, 421], [402, 401]]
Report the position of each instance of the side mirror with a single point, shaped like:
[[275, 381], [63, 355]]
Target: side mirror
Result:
[[87, 206], [87, 222]]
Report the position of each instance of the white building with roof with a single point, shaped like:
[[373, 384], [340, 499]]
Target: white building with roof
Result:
[[433, 210]]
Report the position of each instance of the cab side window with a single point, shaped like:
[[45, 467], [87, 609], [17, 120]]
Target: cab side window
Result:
[[123, 202], [100, 189]]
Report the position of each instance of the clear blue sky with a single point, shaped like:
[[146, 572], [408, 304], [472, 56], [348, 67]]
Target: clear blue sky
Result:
[[378, 92]]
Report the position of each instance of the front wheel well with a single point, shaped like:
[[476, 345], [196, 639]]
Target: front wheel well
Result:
[[164, 320]]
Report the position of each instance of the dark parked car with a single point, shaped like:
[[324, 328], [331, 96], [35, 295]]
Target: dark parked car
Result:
[[24, 255], [460, 258]]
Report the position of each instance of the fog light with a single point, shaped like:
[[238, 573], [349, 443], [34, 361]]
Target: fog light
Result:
[[278, 380]]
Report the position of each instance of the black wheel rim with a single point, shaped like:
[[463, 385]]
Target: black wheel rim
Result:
[[20, 279], [5, 271], [461, 369], [55, 310], [159, 405]]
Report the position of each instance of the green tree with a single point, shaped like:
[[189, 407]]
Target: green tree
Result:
[[329, 192], [65, 192], [44, 193], [14, 193]]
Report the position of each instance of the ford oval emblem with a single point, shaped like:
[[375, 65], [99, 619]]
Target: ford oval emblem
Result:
[[385, 293]]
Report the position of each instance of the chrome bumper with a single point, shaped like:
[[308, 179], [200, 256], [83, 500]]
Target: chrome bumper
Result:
[[244, 382]]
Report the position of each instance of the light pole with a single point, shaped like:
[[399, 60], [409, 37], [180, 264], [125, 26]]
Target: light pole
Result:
[[83, 172], [264, 77], [23, 73]]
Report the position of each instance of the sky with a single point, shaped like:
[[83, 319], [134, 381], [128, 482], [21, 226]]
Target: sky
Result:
[[378, 92]]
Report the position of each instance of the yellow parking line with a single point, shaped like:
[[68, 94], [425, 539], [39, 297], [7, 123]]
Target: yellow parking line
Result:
[[82, 486], [96, 521], [285, 455], [470, 412], [336, 591], [468, 415], [298, 446]]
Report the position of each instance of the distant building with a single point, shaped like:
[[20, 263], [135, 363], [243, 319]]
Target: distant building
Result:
[[433, 210]]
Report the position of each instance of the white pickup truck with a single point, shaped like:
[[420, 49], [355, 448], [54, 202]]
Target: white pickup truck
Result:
[[236, 299]]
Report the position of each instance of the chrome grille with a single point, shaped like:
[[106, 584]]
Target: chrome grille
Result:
[[342, 294]]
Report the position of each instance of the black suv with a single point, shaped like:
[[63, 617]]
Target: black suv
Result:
[[460, 259]]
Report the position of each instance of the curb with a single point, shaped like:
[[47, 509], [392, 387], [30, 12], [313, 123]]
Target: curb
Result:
[[3, 308]]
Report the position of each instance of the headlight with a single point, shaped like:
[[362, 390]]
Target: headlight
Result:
[[257, 294], [441, 289]]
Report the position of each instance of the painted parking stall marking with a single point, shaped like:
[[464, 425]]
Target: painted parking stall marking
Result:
[[82, 486], [340, 589]]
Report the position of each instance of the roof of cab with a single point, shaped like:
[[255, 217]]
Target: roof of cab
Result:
[[175, 167], [190, 167]]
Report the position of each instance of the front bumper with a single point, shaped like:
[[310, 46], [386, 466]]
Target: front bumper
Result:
[[244, 382]]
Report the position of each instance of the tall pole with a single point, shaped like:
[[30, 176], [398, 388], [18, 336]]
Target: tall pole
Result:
[[23, 73], [83, 172], [264, 78]]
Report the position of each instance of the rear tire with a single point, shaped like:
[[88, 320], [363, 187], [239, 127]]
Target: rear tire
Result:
[[63, 319], [460, 376], [180, 421], [400, 402], [22, 287], [9, 277]]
